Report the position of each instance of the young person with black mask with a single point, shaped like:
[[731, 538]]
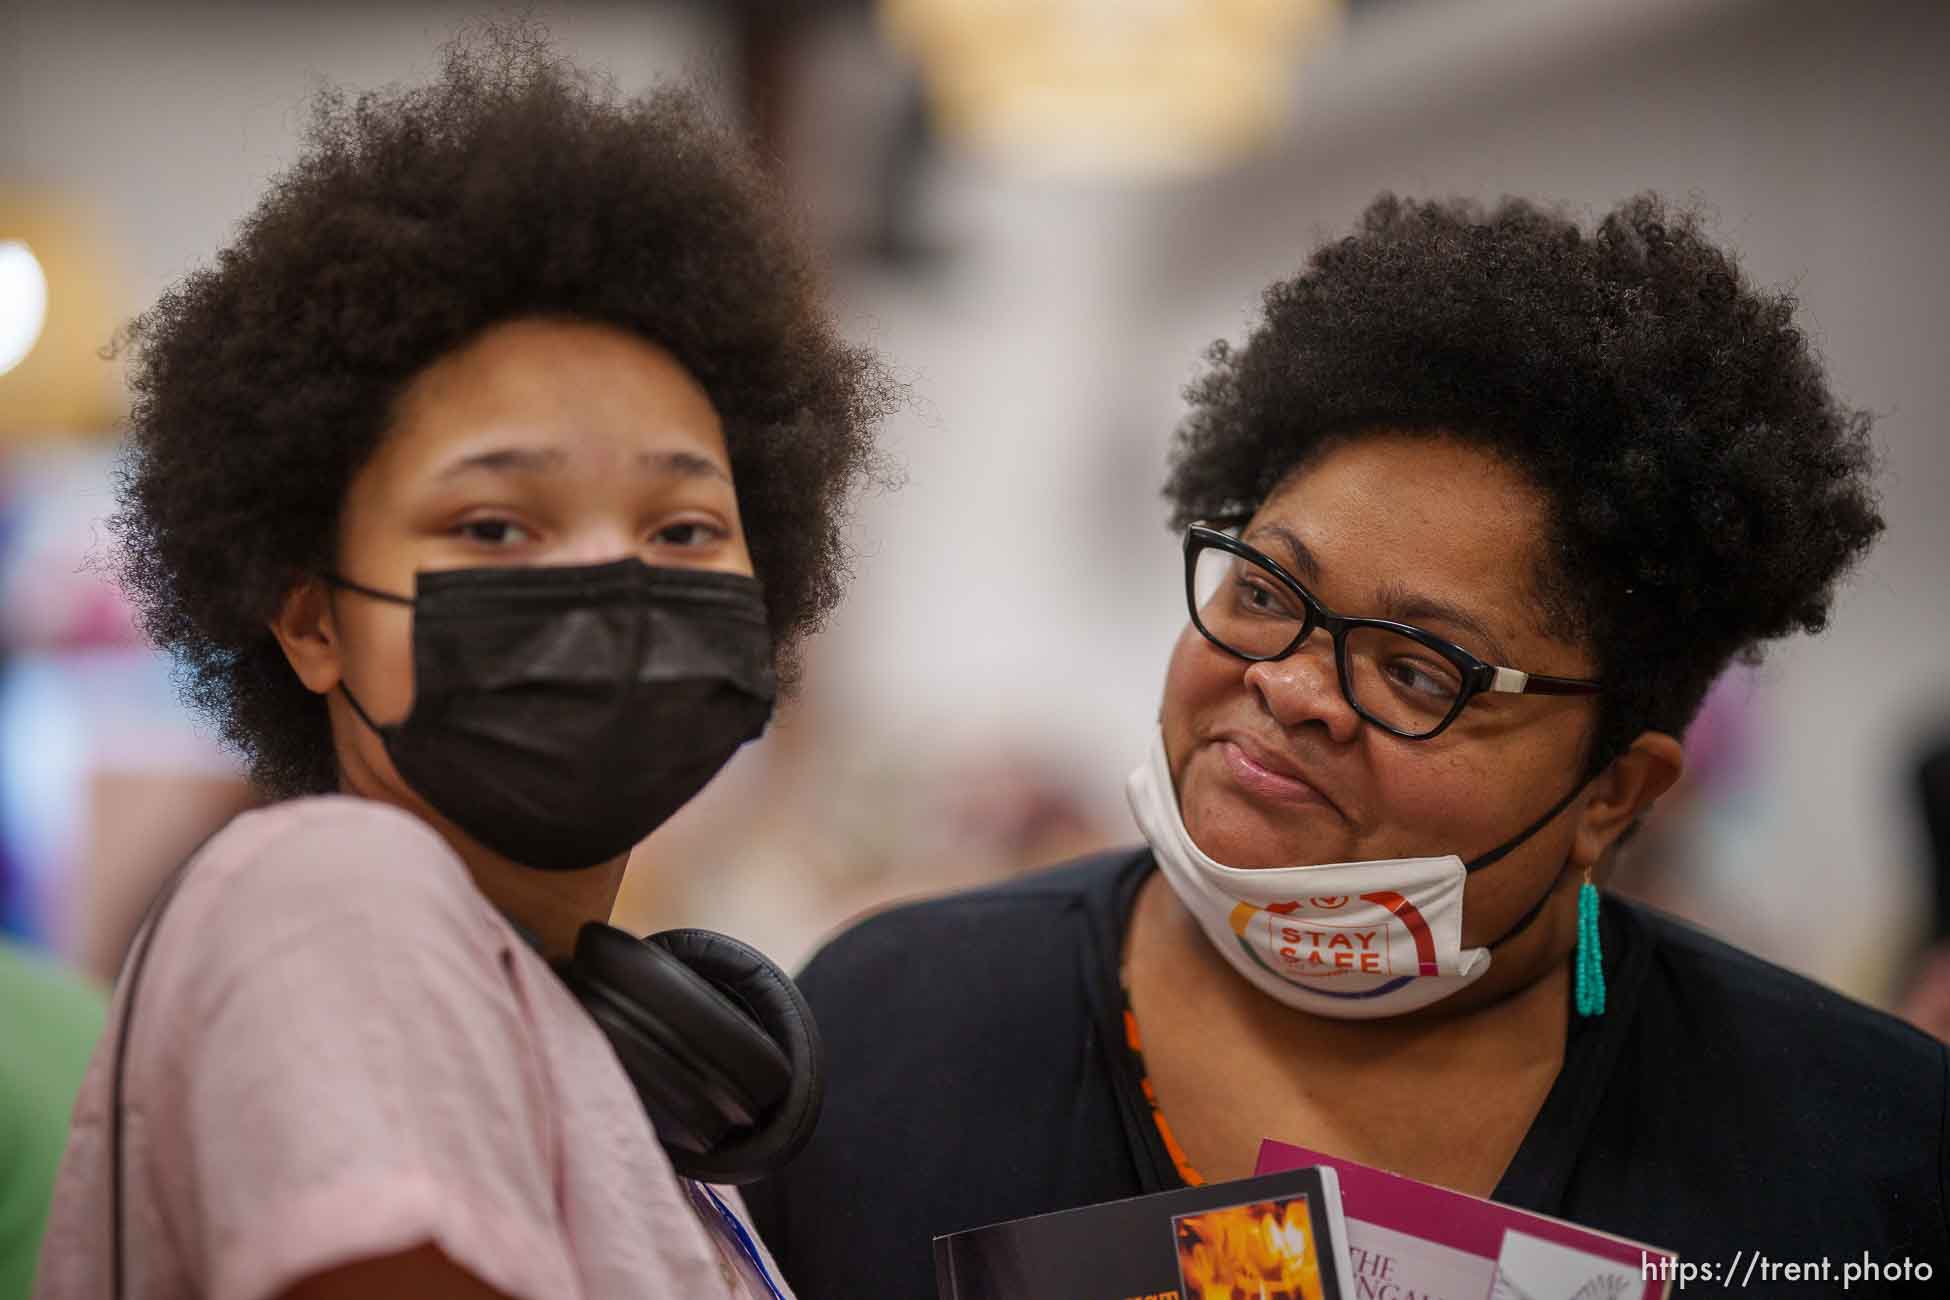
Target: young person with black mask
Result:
[[483, 489], [1470, 525]]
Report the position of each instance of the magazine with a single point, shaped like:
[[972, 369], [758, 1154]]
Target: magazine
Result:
[[1279, 1237], [1409, 1240]]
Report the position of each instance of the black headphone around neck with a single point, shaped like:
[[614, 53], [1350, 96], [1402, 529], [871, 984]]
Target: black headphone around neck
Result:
[[717, 1041]]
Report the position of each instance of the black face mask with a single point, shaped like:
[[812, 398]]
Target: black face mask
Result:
[[561, 714]]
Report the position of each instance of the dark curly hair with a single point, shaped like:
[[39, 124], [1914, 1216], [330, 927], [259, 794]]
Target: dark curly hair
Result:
[[514, 185], [1704, 488]]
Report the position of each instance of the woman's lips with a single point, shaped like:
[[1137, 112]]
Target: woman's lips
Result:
[[1265, 783]]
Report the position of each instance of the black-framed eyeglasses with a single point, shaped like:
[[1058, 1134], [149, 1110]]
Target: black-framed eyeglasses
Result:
[[1406, 681]]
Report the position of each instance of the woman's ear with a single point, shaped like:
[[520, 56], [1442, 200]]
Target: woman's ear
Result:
[[1623, 792], [308, 634]]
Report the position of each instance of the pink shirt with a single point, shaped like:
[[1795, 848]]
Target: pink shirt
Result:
[[342, 1050]]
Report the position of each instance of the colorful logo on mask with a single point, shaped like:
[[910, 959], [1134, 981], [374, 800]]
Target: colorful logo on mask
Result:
[[1311, 954]]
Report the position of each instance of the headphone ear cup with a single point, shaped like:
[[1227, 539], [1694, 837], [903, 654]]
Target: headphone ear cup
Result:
[[786, 1021], [718, 1042], [684, 1010], [680, 1109]]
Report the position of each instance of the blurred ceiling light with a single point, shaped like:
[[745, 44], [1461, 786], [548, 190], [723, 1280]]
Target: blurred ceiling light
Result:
[[59, 305], [1116, 87], [23, 302]]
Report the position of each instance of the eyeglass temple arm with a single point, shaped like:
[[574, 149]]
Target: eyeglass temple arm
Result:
[[1515, 682]]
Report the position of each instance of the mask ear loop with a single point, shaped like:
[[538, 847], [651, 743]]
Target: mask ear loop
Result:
[[1497, 854], [1588, 963], [345, 584]]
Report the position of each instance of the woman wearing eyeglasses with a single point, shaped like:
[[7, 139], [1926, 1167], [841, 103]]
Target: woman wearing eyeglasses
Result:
[[1471, 523]]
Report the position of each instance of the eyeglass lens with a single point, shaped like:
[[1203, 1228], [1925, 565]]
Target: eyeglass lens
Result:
[[1393, 679]]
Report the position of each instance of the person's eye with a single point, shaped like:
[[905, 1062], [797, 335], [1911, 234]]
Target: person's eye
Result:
[[1422, 678], [1256, 597], [493, 532], [689, 532]]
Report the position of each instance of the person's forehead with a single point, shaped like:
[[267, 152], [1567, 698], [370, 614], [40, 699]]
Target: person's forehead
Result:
[[569, 365], [1431, 499], [1387, 519], [585, 393]]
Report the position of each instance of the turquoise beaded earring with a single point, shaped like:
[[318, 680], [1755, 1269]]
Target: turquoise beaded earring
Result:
[[1588, 963]]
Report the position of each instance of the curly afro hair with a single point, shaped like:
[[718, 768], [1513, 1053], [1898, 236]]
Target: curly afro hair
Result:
[[1704, 488], [514, 185]]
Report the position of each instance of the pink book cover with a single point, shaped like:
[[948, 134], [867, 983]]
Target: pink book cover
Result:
[[1415, 1241]]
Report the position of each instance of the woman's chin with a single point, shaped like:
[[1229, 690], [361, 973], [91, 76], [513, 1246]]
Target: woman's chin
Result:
[[1237, 834]]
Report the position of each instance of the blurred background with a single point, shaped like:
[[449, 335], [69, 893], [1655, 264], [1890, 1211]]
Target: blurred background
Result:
[[1042, 212]]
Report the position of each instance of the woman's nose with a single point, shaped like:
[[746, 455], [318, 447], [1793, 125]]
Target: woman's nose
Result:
[[1305, 687]]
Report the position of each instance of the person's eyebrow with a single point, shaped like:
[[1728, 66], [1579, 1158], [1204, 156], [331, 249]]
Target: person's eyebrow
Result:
[[538, 460], [1298, 559], [1397, 602], [1410, 607], [684, 464], [504, 460]]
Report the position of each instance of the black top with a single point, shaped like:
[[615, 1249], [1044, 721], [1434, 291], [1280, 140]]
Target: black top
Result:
[[978, 1072]]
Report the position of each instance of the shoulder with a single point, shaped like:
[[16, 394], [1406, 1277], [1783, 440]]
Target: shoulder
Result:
[[355, 838], [1750, 1104], [332, 1049], [327, 855], [1733, 1020], [966, 930], [1695, 970], [332, 878], [1013, 957], [959, 1032]]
